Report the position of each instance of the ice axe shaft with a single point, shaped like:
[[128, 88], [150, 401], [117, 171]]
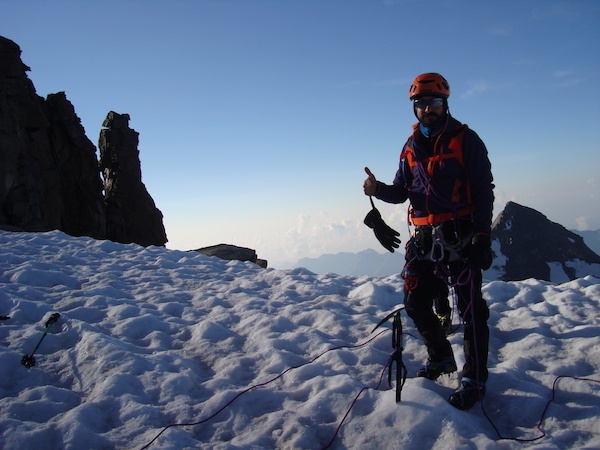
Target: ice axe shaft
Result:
[[397, 354], [28, 360]]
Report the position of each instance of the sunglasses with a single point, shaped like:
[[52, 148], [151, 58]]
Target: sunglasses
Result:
[[423, 103]]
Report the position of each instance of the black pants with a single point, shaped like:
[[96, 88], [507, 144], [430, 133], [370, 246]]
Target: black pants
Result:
[[418, 300], [442, 304]]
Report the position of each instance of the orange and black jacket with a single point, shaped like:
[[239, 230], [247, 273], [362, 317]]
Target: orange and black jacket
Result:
[[445, 177]]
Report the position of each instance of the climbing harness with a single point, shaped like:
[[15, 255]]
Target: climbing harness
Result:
[[440, 243], [29, 360]]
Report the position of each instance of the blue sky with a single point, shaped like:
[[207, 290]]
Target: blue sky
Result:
[[256, 118]]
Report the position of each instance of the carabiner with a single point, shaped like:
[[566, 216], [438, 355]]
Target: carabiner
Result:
[[437, 251]]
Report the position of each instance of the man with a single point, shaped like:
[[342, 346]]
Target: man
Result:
[[446, 175]]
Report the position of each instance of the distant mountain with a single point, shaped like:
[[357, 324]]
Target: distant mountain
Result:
[[591, 239], [528, 245], [367, 262]]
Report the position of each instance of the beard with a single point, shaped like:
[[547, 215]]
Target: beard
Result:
[[431, 119]]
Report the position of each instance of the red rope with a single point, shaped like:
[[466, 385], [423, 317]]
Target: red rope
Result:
[[539, 425], [239, 394]]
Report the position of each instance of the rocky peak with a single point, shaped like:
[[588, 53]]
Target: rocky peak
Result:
[[528, 245], [131, 213], [49, 172], [49, 176]]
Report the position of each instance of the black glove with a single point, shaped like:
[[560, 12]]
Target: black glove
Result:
[[384, 234], [480, 254]]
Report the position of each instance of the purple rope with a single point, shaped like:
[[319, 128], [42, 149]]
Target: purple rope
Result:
[[439, 195]]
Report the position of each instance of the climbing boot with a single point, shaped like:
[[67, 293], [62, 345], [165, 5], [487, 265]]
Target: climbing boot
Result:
[[433, 369], [468, 394]]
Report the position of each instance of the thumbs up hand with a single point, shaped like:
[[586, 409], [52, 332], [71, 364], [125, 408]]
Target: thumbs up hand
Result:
[[370, 184]]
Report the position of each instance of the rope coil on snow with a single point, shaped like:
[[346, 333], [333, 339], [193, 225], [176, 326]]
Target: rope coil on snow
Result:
[[239, 394], [365, 388]]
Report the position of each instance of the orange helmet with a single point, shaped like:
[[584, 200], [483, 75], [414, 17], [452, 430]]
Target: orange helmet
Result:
[[429, 84]]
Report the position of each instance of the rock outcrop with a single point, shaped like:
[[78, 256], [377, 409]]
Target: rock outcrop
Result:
[[75, 161], [528, 245], [131, 213], [49, 171], [49, 177], [232, 252]]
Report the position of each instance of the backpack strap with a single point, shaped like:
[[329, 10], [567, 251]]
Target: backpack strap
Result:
[[455, 147]]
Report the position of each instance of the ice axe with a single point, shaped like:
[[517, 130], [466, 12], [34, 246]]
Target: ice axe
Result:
[[397, 355], [28, 360]]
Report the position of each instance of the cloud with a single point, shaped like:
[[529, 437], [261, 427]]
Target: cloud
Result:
[[348, 84], [501, 30], [318, 234], [313, 236], [476, 88], [393, 82], [592, 187], [398, 2], [564, 11], [582, 223], [562, 73], [567, 78]]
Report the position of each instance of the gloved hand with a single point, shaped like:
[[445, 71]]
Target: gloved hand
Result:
[[480, 254], [384, 234]]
